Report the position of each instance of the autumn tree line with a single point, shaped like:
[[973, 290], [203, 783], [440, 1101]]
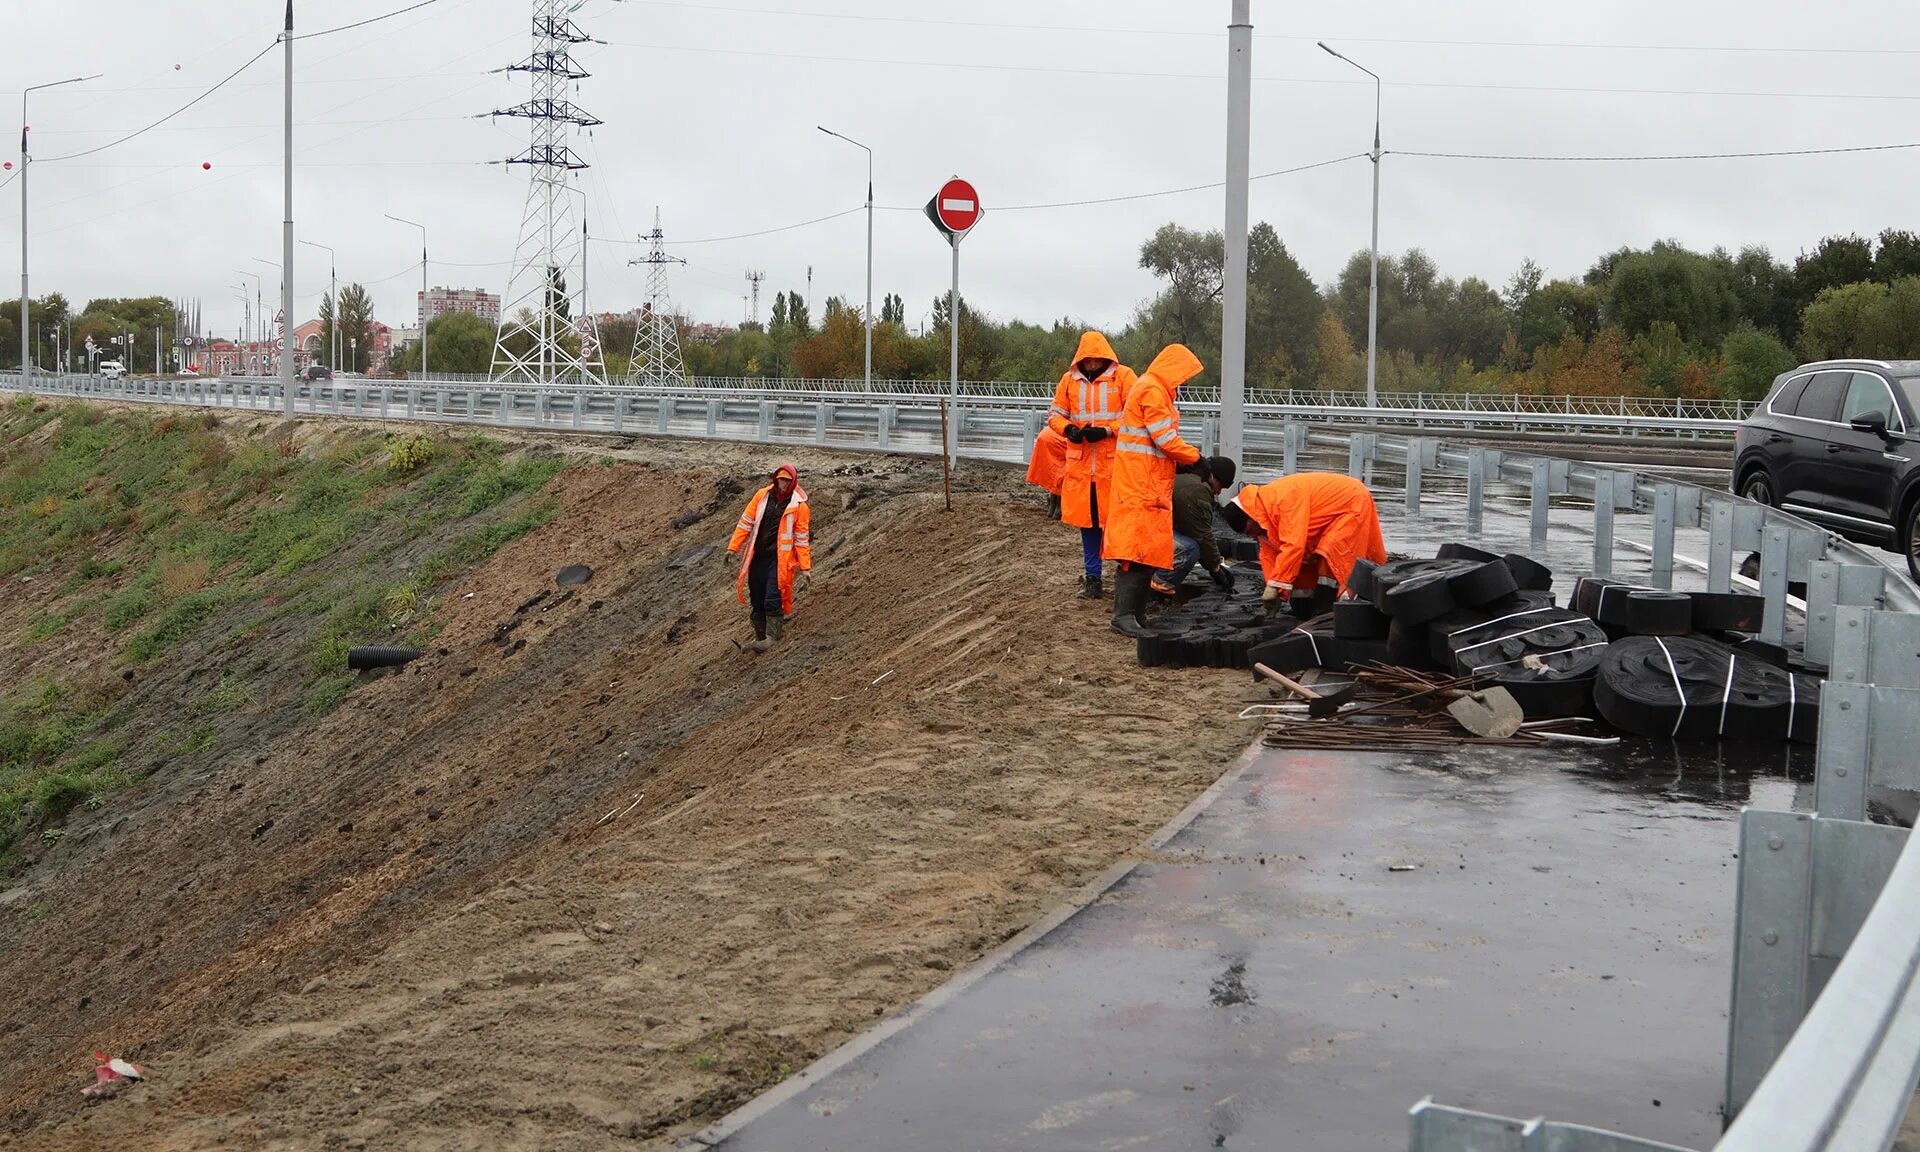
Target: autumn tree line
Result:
[[1660, 321]]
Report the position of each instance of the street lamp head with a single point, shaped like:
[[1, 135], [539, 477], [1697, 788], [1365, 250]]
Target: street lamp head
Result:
[[1327, 50]]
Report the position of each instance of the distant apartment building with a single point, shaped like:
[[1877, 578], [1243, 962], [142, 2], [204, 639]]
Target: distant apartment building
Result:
[[474, 301]]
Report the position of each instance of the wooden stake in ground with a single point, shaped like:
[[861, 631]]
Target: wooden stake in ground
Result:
[[946, 455]]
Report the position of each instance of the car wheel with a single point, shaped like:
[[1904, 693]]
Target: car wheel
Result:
[[1759, 489], [1910, 539]]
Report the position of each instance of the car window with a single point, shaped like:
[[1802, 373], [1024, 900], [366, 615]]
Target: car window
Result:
[[1785, 400], [1869, 393], [1910, 390], [1823, 396]]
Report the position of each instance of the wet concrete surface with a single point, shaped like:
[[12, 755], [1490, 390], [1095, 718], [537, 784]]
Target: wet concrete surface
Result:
[[1335, 937]]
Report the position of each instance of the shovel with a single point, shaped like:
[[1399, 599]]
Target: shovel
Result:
[[1318, 703], [1489, 712]]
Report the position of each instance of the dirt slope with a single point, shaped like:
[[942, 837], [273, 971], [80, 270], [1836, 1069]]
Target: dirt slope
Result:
[[594, 890]]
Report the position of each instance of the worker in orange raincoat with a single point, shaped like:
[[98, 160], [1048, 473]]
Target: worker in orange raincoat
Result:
[[1147, 453], [1312, 527], [1086, 410], [776, 546], [1048, 466]]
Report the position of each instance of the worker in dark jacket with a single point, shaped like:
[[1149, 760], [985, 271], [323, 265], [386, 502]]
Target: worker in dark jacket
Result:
[[1194, 490]]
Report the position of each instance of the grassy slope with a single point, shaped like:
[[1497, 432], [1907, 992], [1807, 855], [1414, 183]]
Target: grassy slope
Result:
[[131, 540]]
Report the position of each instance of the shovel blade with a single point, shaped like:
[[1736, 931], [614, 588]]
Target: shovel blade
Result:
[[1492, 713]]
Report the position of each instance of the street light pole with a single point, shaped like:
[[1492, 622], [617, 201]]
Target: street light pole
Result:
[[869, 312], [1233, 303], [26, 363], [333, 295], [254, 322], [286, 317], [423, 289], [286, 234], [1373, 285]]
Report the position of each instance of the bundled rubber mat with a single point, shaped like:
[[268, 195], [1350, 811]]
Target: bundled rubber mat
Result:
[[1641, 611], [1313, 644], [1212, 630], [1416, 591], [1546, 657], [1692, 688], [1462, 619], [1529, 574]]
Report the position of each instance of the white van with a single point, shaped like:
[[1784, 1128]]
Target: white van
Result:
[[112, 369]]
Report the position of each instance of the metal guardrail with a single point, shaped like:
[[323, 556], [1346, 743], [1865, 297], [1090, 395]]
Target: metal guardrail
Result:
[[623, 408], [1824, 1040]]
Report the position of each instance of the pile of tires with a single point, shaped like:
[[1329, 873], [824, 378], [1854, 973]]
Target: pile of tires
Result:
[[1212, 629], [1318, 643], [1693, 688], [1546, 656], [1635, 610]]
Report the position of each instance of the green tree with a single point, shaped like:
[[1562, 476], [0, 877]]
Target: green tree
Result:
[[893, 310], [1668, 282], [1283, 305], [459, 342], [1841, 321], [1753, 360], [797, 313], [1836, 261], [778, 317], [1896, 255], [1188, 309], [1660, 353]]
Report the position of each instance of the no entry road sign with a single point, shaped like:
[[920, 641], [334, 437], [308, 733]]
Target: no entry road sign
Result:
[[955, 209]]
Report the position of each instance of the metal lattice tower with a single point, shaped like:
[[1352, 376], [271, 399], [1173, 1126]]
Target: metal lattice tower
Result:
[[547, 335], [754, 278], [656, 338]]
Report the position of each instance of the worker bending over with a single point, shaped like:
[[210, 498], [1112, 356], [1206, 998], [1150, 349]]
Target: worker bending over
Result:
[[1048, 466], [1312, 527], [1148, 449], [776, 543], [1194, 490], [1086, 410]]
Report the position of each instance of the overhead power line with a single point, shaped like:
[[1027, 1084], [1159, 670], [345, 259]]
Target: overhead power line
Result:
[[1654, 157], [143, 131], [367, 21], [1085, 29]]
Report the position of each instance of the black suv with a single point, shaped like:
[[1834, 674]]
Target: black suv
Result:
[[1838, 443], [314, 372]]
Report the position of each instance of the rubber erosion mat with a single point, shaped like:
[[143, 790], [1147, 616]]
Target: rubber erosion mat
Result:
[[1334, 937]]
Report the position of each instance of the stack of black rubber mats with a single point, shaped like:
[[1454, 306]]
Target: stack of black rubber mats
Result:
[[1212, 630], [1693, 688], [1545, 656], [1635, 610], [1317, 643]]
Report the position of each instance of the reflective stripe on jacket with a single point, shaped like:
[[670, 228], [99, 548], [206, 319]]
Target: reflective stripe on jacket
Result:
[[794, 547], [1078, 400], [1147, 450]]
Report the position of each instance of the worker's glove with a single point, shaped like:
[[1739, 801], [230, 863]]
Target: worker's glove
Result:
[[1075, 433], [1223, 578], [1094, 433], [1273, 599], [801, 581]]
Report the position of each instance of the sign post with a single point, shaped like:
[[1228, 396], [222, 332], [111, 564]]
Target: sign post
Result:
[[954, 210]]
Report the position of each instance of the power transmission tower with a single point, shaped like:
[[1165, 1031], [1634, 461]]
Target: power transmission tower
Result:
[[754, 278], [656, 338], [546, 334]]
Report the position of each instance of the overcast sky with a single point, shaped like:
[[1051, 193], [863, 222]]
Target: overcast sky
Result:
[[711, 109]]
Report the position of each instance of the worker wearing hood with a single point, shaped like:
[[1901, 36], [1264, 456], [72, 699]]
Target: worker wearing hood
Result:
[[775, 541], [1086, 410], [1148, 451], [1312, 526]]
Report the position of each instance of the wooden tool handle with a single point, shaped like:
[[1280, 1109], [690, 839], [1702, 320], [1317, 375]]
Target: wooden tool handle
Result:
[[1294, 686]]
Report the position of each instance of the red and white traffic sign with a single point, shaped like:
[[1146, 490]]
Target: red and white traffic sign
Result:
[[955, 209]]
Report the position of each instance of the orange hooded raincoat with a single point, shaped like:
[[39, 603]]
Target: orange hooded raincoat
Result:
[[1313, 515], [1089, 403], [795, 541], [1147, 450], [1049, 464]]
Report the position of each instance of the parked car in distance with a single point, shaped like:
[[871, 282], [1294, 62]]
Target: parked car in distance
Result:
[[112, 369], [1838, 443], [313, 372]]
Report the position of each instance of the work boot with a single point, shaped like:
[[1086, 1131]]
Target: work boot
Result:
[[775, 623], [760, 641], [1053, 506], [1130, 601], [1091, 588]]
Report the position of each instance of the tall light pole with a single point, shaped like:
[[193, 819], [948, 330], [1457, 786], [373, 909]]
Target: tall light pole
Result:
[[254, 322], [286, 318], [26, 363], [333, 294], [1233, 302], [423, 290], [286, 234], [869, 312], [1373, 285]]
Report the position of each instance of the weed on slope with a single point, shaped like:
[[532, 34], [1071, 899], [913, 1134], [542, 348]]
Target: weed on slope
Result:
[[140, 550]]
